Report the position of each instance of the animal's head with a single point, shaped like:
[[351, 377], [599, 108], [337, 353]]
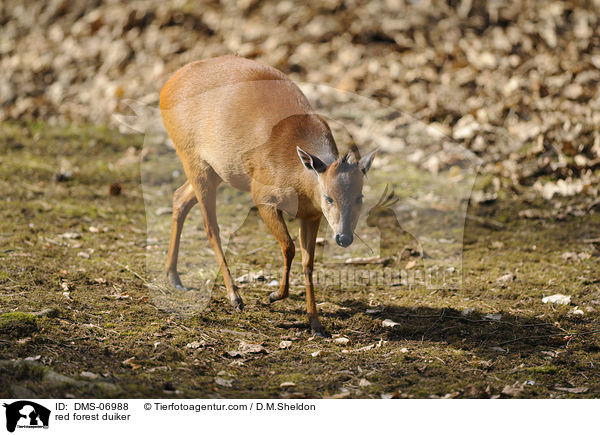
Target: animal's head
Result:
[[340, 185]]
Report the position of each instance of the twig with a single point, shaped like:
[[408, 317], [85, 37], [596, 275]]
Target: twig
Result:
[[358, 237]]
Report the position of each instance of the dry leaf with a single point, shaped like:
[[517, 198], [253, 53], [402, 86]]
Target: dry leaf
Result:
[[506, 278], [285, 344], [410, 265], [223, 382], [364, 383], [558, 299], [574, 390], [389, 323], [196, 344]]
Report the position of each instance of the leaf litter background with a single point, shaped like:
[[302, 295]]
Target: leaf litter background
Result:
[[511, 85]]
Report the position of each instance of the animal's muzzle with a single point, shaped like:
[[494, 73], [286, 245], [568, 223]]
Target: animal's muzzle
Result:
[[344, 240]]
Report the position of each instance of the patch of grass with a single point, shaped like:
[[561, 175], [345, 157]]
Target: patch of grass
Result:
[[545, 369], [18, 324], [30, 372], [434, 350]]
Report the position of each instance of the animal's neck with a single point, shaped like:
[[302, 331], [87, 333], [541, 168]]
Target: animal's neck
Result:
[[311, 189]]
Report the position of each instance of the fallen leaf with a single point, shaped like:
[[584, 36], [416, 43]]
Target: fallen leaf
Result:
[[364, 383], [506, 278], [514, 390], [247, 348], [285, 344], [251, 277], [574, 390], [130, 362], [70, 235], [558, 299], [342, 341], [196, 344], [576, 256], [89, 375], [389, 323], [530, 214], [374, 310], [223, 382]]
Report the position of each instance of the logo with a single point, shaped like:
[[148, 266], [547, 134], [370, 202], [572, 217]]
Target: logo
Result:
[[26, 414]]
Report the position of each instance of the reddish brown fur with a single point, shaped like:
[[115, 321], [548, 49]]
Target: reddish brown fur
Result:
[[238, 121]]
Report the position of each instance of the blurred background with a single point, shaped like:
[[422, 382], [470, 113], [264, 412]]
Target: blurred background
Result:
[[515, 82]]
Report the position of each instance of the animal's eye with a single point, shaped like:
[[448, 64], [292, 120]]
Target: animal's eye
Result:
[[329, 200]]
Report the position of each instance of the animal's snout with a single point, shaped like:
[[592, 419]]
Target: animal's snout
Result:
[[344, 240]]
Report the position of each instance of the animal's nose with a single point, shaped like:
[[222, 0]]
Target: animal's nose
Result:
[[344, 240]]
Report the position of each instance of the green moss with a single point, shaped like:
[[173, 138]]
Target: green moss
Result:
[[30, 372], [18, 323], [545, 369]]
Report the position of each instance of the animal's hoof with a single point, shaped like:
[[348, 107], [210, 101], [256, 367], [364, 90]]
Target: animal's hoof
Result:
[[319, 330], [176, 282], [238, 303], [274, 297]]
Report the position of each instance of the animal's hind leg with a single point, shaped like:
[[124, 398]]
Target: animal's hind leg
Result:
[[205, 184], [183, 200]]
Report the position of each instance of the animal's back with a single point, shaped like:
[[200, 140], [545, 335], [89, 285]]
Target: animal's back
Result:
[[220, 109]]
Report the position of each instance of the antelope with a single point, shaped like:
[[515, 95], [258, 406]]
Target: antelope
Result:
[[238, 121]]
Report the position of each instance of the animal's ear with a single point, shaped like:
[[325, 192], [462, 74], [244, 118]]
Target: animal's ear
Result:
[[365, 163], [310, 161]]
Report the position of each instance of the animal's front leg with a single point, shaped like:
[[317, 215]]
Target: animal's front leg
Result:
[[308, 238], [274, 221]]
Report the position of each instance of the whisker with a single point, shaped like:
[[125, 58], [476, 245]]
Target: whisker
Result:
[[358, 237]]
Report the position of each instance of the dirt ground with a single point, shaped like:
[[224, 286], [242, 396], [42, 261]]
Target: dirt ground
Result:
[[77, 318]]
